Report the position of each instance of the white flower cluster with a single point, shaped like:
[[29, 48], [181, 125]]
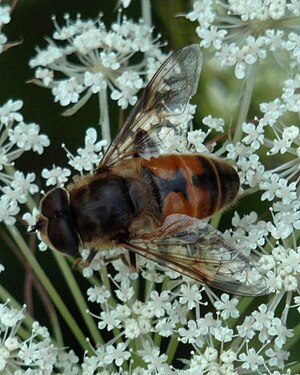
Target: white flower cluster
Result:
[[88, 157], [176, 315], [16, 137], [278, 185], [95, 59], [267, 150], [86, 160], [33, 355], [241, 33]]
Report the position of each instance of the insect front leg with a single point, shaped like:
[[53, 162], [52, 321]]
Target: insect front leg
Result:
[[129, 260]]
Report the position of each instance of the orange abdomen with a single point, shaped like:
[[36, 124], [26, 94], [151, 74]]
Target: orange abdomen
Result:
[[194, 185]]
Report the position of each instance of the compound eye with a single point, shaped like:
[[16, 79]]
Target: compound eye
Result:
[[60, 230], [54, 203], [62, 235]]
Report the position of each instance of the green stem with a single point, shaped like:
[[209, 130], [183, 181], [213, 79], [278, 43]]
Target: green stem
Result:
[[157, 340], [105, 282], [295, 339], [146, 12], [57, 333], [148, 289], [104, 116], [295, 369], [52, 292], [172, 347], [245, 103], [78, 298], [215, 220]]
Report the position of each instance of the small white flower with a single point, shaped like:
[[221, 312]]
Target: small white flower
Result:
[[125, 292], [8, 210], [262, 318], [251, 360], [166, 327], [158, 303], [277, 357], [45, 75], [274, 38], [211, 36], [281, 332], [9, 112], [272, 111], [125, 3], [191, 334], [227, 307], [109, 320], [196, 138], [27, 137], [96, 81], [228, 356], [152, 356], [47, 56], [117, 355], [202, 12], [109, 60], [124, 96], [190, 295], [255, 135], [214, 123], [23, 184], [57, 176], [223, 334], [270, 185], [67, 91], [132, 329], [88, 157], [98, 294]]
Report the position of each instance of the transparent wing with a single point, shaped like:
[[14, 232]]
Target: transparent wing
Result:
[[200, 252], [166, 95]]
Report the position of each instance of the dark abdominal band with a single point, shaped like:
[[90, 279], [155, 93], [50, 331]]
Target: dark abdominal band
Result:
[[208, 180], [163, 187], [176, 184]]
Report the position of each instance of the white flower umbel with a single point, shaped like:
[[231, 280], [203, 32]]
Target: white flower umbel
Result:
[[34, 355], [16, 137], [265, 148], [87, 158], [242, 33], [94, 59]]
